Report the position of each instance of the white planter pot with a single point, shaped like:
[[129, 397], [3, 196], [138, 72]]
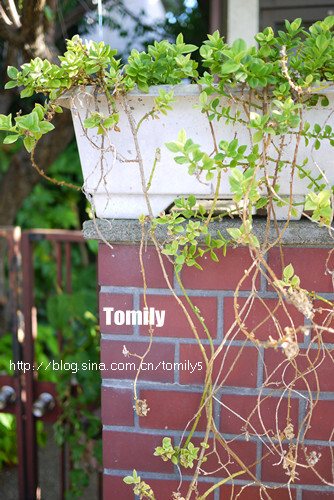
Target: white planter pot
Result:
[[114, 181]]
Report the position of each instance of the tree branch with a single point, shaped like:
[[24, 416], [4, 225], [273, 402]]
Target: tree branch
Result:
[[14, 14], [4, 16], [9, 30]]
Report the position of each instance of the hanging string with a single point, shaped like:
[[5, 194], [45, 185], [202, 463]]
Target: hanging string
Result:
[[100, 17]]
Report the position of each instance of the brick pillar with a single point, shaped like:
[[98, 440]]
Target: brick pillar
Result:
[[172, 386]]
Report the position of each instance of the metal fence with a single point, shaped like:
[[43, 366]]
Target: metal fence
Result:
[[20, 392]]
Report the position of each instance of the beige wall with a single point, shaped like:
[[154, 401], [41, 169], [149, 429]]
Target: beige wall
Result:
[[242, 20]]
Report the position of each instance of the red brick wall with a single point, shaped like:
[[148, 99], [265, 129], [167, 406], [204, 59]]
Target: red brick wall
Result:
[[173, 395]]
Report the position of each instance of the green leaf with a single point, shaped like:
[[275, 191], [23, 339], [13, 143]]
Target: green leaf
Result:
[[182, 136], [129, 480], [9, 139], [12, 72], [179, 39], [254, 241], [236, 175], [10, 85], [324, 101], [5, 122], [29, 143], [189, 48], [40, 111], [261, 203], [296, 24], [229, 67], [191, 200], [257, 137], [130, 71], [7, 420], [265, 51], [308, 80], [214, 258], [253, 82], [181, 160], [109, 122], [46, 127], [203, 97], [144, 87], [288, 272], [26, 93], [201, 210], [180, 259], [239, 45], [234, 232], [173, 147], [91, 122], [295, 281], [93, 69]]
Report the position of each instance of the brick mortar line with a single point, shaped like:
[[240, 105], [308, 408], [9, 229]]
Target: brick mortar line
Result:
[[260, 370], [110, 337], [263, 293], [136, 424], [135, 308], [217, 413], [155, 475], [176, 437], [258, 472], [263, 281], [209, 479], [164, 339], [172, 433], [192, 292], [308, 338], [204, 292], [220, 320], [112, 289], [315, 487], [176, 286], [191, 340], [177, 433], [177, 360], [226, 390], [301, 413], [159, 340], [162, 387], [259, 381]]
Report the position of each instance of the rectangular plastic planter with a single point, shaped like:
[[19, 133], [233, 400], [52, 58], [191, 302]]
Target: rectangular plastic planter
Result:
[[111, 174]]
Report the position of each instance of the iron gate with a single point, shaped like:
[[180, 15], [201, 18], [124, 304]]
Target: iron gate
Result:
[[23, 320]]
